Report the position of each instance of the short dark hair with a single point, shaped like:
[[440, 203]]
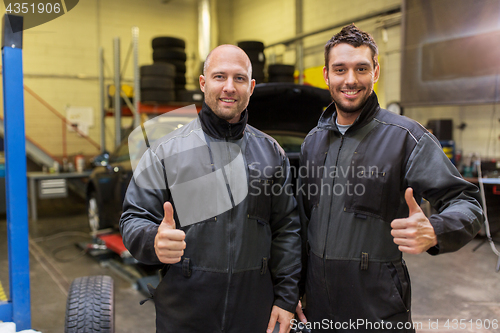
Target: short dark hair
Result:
[[351, 35]]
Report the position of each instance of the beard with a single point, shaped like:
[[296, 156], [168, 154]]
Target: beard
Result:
[[349, 106]]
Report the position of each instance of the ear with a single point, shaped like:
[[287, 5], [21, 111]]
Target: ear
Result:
[[325, 75], [202, 83], [376, 74], [252, 86]]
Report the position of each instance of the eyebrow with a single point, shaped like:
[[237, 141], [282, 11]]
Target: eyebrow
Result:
[[363, 63], [237, 74]]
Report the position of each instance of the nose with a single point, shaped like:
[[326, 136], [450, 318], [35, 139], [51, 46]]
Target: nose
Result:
[[351, 77], [229, 86]]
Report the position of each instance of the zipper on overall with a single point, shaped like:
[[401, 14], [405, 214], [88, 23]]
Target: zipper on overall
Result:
[[230, 245]]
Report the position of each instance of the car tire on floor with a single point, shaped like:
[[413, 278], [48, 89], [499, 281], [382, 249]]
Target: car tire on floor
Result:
[[90, 305]]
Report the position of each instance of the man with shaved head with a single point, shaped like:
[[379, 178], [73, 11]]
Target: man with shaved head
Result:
[[224, 225]]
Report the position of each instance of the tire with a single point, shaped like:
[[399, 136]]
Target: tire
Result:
[[158, 96], [93, 214], [158, 69], [256, 57], [251, 45], [152, 82], [180, 79], [280, 70], [90, 305], [168, 42], [180, 66], [281, 78], [168, 54], [259, 79], [257, 67], [195, 96]]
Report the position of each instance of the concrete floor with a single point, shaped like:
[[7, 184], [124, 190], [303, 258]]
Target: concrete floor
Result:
[[460, 285]]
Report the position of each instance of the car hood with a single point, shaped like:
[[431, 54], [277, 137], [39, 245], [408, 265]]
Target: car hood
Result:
[[287, 107]]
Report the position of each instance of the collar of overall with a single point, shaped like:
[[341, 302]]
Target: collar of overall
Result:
[[219, 128]]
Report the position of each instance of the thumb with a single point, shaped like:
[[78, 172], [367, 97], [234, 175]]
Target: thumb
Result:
[[411, 202], [168, 218]]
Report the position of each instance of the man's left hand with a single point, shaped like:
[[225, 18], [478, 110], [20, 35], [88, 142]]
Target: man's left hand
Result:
[[415, 233], [283, 317]]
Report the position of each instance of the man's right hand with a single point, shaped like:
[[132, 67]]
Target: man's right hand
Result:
[[169, 241]]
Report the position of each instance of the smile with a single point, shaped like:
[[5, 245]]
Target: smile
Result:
[[350, 92], [228, 100]]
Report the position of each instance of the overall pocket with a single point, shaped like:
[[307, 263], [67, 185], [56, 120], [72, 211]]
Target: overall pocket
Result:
[[368, 195], [259, 199]]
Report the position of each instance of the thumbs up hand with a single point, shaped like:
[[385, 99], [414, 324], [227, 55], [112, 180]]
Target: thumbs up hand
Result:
[[169, 241], [415, 233]]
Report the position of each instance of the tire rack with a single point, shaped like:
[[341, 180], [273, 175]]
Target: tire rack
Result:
[[117, 82], [18, 309]]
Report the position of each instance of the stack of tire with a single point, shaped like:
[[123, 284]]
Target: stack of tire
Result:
[[255, 51], [280, 73], [157, 83], [172, 51]]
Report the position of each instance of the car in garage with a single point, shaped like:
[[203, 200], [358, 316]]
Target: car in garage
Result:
[[111, 175], [285, 111]]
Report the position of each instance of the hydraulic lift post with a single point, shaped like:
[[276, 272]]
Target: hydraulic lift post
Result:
[[18, 308]]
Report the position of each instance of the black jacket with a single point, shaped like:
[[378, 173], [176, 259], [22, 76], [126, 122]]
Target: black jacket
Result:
[[353, 188], [237, 263]]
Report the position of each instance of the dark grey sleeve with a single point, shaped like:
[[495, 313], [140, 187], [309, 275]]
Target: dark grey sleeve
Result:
[[285, 262], [432, 176], [142, 214]]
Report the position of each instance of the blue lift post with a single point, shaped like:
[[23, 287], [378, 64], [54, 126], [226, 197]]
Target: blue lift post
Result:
[[18, 308]]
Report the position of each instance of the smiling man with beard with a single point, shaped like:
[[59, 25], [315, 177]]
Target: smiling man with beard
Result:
[[357, 280]]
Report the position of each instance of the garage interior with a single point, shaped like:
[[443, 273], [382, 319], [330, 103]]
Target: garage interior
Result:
[[71, 119]]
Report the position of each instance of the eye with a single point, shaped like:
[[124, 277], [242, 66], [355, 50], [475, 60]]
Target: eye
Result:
[[218, 77], [240, 78], [339, 70]]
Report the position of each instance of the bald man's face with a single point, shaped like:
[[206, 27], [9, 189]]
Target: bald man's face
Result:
[[227, 82]]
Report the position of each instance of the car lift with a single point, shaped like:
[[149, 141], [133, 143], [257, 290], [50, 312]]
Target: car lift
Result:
[[106, 246], [18, 308]]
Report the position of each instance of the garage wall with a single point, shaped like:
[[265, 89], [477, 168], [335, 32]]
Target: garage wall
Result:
[[481, 135], [61, 65], [61, 59], [273, 21]]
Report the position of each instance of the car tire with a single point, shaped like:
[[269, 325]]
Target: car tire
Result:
[[152, 82], [180, 66], [90, 305], [281, 78], [157, 96], [180, 79], [166, 41], [256, 57], [280, 70], [93, 213], [161, 69], [169, 54], [251, 45], [190, 96]]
